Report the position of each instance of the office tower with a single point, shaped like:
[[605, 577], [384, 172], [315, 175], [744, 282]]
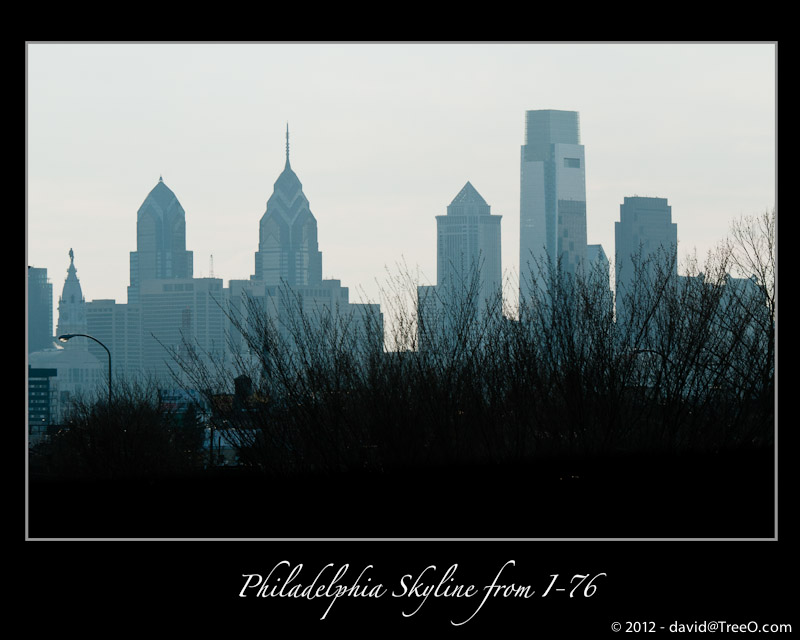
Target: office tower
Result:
[[183, 317], [40, 310], [41, 403], [431, 318], [119, 327], [468, 250], [596, 255], [645, 231], [645, 234], [287, 242], [287, 284], [552, 195], [160, 241], [597, 264], [468, 271], [598, 279]]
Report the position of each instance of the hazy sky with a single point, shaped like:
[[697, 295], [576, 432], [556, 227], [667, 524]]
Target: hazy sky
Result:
[[383, 136]]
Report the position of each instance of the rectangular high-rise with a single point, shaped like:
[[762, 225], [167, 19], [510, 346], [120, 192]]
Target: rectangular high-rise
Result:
[[645, 233], [183, 317], [552, 195], [40, 310], [469, 286], [119, 327], [468, 250]]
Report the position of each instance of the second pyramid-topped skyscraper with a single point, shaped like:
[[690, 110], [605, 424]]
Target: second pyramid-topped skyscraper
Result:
[[288, 250]]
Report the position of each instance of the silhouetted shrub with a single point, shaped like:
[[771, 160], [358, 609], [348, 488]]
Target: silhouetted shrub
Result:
[[136, 436], [680, 363]]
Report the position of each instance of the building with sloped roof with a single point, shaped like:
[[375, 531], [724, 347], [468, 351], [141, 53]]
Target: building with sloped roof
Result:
[[160, 241], [468, 260], [288, 251], [469, 277]]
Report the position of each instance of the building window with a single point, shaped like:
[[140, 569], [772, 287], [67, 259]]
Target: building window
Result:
[[572, 163]]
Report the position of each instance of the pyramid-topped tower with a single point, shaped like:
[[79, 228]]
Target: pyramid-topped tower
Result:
[[160, 241], [468, 244], [468, 202], [288, 250]]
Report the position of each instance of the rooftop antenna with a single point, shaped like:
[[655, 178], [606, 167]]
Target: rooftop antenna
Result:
[[287, 144], [211, 266]]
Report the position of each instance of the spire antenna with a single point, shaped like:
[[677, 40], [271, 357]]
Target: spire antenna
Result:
[[287, 144]]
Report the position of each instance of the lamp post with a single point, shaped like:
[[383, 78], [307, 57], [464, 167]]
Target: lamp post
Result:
[[68, 336]]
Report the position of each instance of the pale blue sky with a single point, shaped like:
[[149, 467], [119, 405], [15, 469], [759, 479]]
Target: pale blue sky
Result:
[[383, 136]]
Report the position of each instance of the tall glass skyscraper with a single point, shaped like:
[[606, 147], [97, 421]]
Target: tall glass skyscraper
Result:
[[469, 277], [160, 241], [552, 194], [288, 251], [40, 310], [645, 230], [468, 246]]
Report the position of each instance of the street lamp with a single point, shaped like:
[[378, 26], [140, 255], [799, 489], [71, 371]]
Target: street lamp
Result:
[[68, 336]]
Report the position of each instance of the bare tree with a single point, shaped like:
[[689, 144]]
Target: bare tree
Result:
[[680, 363], [136, 436]]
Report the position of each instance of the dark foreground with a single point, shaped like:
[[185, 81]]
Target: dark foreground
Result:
[[728, 495]]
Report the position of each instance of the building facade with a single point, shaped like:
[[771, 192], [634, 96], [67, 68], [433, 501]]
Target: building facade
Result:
[[468, 249], [469, 277], [41, 403], [160, 241], [645, 237], [552, 195], [287, 285], [183, 317], [119, 327], [288, 250], [40, 310]]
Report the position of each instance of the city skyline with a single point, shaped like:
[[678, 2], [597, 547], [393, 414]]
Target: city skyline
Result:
[[382, 137]]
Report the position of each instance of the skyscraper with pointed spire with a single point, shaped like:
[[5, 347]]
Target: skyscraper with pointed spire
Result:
[[288, 282], [288, 251], [160, 241], [72, 307]]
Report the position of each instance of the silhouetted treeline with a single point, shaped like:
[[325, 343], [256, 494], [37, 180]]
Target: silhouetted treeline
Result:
[[136, 436], [575, 414], [676, 364]]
